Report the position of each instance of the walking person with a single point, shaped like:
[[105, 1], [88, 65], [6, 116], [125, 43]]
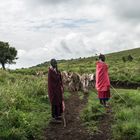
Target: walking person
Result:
[[102, 81], [55, 91]]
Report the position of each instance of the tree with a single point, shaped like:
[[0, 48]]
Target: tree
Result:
[[124, 59], [129, 58], [7, 54]]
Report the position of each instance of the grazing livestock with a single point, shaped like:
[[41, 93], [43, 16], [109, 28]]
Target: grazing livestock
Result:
[[84, 82], [39, 73], [75, 82], [66, 79]]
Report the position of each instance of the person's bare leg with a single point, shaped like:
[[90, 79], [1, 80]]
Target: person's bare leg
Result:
[[104, 103], [101, 102]]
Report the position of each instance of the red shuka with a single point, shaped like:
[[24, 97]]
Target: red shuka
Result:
[[102, 78], [55, 86]]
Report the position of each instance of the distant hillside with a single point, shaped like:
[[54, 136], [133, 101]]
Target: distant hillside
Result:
[[124, 66]]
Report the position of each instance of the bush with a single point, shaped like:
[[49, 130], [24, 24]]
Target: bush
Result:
[[24, 108], [126, 115]]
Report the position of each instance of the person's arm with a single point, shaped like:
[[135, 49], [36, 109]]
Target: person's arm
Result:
[[50, 89], [63, 104], [62, 89], [61, 82]]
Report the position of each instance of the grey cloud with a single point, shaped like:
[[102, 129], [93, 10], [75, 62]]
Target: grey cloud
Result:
[[47, 2], [42, 29], [127, 9], [70, 2], [65, 48], [61, 23]]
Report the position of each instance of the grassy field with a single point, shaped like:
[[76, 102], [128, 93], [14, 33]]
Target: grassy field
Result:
[[24, 106], [126, 114], [121, 69], [25, 110], [92, 113]]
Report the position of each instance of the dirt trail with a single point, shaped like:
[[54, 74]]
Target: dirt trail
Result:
[[74, 129]]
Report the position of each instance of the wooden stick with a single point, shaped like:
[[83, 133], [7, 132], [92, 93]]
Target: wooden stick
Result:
[[64, 120]]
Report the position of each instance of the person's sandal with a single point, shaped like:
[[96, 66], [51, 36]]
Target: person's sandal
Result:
[[59, 118], [57, 121]]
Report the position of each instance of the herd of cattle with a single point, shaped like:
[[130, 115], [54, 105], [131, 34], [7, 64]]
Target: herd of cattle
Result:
[[74, 81]]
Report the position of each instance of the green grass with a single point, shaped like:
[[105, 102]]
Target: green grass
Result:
[[24, 106], [92, 113], [66, 95], [81, 95], [126, 115], [127, 72], [126, 112]]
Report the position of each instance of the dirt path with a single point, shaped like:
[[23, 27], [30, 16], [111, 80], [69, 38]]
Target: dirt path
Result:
[[74, 129]]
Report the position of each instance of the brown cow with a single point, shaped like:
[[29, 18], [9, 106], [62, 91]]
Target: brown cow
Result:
[[71, 81], [74, 84]]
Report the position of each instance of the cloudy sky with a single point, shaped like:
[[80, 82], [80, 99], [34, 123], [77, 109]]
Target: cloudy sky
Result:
[[63, 29]]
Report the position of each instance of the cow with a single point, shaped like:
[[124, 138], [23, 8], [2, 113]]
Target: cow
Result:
[[91, 80], [66, 79], [71, 81], [84, 82], [39, 73], [87, 81], [75, 82]]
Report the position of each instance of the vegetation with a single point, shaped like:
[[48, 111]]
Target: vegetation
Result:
[[92, 113], [127, 73], [126, 115], [24, 106], [126, 111], [7, 54]]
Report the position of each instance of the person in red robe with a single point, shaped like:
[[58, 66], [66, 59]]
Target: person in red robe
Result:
[[55, 91], [102, 80]]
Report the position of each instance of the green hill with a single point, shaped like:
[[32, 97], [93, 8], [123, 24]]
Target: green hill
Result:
[[124, 66], [24, 104]]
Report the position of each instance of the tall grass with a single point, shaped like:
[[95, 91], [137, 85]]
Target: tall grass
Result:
[[126, 115], [92, 113], [24, 107], [125, 72]]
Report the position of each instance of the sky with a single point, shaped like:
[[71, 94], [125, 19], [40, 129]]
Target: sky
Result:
[[63, 29]]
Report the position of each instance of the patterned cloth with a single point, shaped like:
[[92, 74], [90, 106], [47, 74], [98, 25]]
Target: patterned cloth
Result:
[[102, 81], [55, 92], [102, 78]]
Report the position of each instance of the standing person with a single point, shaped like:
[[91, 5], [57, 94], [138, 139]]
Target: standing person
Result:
[[55, 91], [102, 80]]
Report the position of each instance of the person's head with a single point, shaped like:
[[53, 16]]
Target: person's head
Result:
[[53, 63], [102, 57]]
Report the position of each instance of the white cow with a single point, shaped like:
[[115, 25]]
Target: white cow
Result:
[[71, 81], [87, 81]]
